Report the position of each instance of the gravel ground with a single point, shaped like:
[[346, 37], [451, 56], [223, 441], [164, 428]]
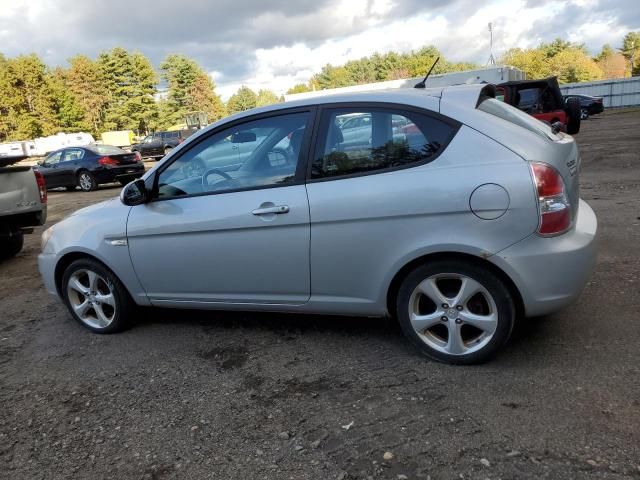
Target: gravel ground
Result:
[[252, 396]]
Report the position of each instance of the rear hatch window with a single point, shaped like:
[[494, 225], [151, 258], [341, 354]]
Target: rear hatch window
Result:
[[518, 117]]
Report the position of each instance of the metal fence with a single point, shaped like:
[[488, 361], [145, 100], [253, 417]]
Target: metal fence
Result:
[[622, 92]]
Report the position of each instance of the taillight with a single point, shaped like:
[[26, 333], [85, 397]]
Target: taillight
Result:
[[42, 186], [138, 157], [107, 161], [553, 203]]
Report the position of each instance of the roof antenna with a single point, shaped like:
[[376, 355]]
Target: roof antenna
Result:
[[423, 83]]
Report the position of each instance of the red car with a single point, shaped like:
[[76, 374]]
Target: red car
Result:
[[543, 100]]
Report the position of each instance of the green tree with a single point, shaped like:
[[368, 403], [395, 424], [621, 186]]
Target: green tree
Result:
[[242, 100], [70, 115], [558, 45], [631, 51], [85, 80], [299, 88], [573, 65], [191, 89], [132, 82], [533, 62], [266, 97], [27, 103]]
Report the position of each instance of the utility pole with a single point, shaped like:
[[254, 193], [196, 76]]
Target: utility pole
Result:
[[492, 60]]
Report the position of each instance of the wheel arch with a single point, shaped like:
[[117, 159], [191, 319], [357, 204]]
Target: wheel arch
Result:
[[68, 258], [394, 286]]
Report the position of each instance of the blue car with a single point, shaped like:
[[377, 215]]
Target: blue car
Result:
[[89, 166]]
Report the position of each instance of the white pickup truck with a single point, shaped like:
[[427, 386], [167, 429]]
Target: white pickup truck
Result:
[[23, 203]]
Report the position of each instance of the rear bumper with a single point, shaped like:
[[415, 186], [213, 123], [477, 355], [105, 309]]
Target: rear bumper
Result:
[[596, 108], [551, 272], [108, 175]]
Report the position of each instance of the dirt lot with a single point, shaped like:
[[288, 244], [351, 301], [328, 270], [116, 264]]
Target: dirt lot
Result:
[[220, 395]]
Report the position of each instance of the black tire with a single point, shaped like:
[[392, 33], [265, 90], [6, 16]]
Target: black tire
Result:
[[573, 112], [11, 246], [124, 306], [71, 188], [86, 181], [496, 288]]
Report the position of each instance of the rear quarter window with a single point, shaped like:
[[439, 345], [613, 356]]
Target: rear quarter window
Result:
[[363, 140]]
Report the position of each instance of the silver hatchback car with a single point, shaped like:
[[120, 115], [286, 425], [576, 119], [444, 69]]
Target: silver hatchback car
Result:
[[445, 208]]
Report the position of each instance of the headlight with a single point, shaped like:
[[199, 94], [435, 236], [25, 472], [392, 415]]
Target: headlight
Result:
[[46, 235]]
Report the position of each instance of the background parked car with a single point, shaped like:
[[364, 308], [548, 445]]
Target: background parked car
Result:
[[158, 144], [87, 167], [542, 99], [588, 105]]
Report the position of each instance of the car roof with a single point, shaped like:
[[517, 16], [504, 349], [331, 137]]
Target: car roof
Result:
[[404, 96]]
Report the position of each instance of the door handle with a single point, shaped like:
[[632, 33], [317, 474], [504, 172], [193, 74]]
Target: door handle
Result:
[[279, 209]]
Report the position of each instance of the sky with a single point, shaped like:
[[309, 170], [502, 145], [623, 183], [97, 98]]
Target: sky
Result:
[[276, 44]]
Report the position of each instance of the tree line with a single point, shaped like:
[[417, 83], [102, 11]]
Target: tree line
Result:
[[119, 90]]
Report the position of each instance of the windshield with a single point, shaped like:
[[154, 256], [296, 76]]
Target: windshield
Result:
[[518, 117], [107, 149]]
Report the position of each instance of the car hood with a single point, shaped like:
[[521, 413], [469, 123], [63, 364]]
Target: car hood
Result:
[[106, 208], [88, 228]]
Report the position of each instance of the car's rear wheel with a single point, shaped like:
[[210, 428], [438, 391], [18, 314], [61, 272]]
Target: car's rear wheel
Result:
[[95, 297], [87, 182], [455, 311], [584, 114]]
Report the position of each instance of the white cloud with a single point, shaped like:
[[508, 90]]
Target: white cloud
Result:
[[279, 43]]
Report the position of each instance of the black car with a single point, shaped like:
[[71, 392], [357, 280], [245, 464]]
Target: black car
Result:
[[160, 143], [588, 105], [89, 166]]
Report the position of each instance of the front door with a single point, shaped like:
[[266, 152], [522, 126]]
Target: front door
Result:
[[53, 176], [227, 233]]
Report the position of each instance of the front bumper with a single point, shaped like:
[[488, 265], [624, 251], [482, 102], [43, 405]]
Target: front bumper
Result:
[[47, 266], [551, 272]]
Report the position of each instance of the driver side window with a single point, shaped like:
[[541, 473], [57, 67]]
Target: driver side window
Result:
[[53, 158], [255, 154]]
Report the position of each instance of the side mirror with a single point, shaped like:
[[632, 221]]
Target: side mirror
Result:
[[134, 193], [243, 137]]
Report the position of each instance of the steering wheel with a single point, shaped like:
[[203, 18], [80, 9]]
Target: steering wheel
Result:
[[218, 172]]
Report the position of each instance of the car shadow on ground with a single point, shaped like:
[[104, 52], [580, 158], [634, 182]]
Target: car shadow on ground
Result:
[[528, 334], [274, 322]]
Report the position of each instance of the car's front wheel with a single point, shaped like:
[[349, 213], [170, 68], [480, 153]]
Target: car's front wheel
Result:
[[95, 297], [455, 311], [584, 114]]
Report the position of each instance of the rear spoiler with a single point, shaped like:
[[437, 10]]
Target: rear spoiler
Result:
[[488, 91]]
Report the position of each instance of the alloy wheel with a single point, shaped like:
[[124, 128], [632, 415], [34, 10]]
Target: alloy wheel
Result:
[[453, 313], [86, 182], [92, 298]]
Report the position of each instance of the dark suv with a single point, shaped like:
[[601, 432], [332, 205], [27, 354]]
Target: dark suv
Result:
[[158, 144]]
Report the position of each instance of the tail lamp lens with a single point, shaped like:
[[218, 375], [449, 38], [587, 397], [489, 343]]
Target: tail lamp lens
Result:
[[107, 161], [553, 203], [42, 186]]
